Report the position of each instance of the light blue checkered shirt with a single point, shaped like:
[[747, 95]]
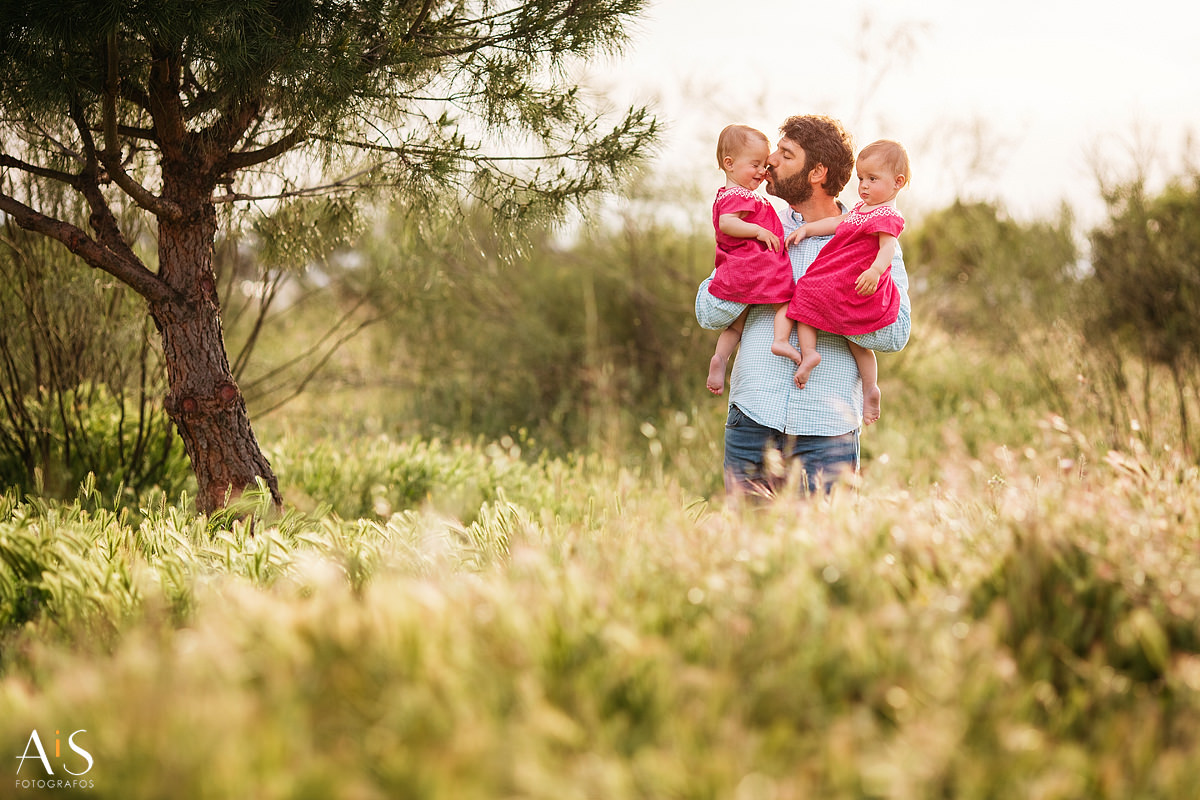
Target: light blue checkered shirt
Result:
[[761, 384]]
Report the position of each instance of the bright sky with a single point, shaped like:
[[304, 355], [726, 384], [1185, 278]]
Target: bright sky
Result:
[[1006, 101]]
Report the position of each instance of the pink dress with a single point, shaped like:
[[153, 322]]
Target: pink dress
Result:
[[825, 296], [747, 272]]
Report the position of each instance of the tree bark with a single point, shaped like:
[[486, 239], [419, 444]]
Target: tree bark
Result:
[[203, 399]]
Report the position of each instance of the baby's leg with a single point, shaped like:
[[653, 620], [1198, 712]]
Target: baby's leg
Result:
[[727, 342], [809, 357], [868, 368], [782, 346]]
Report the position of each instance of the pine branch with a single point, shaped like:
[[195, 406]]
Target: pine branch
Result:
[[419, 20], [126, 269], [39, 172], [242, 160], [347, 183], [116, 172]]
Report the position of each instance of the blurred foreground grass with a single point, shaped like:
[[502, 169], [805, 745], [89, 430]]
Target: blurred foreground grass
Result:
[[476, 625]]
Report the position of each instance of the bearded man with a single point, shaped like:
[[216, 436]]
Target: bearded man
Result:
[[772, 424]]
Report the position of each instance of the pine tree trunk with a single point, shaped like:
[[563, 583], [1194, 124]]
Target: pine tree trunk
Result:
[[203, 399]]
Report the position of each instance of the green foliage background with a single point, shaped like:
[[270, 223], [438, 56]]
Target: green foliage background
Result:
[[506, 569]]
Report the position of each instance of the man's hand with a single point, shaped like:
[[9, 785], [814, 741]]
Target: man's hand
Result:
[[868, 282]]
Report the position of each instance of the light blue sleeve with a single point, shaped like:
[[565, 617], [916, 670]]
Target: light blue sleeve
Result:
[[894, 337], [713, 313]]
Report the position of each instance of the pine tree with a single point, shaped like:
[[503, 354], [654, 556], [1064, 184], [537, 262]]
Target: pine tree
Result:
[[175, 107]]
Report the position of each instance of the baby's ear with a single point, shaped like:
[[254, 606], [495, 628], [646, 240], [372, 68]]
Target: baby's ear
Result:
[[901, 181]]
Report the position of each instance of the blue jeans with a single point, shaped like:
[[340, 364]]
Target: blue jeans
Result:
[[822, 458]]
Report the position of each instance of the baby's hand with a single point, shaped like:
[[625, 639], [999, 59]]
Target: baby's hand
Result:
[[867, 282], [768, 238], [796, 236]]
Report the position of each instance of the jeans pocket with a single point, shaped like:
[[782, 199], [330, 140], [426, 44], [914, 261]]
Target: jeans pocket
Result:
[[736, 418]]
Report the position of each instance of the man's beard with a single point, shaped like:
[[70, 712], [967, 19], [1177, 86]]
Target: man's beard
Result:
[[795, 189]]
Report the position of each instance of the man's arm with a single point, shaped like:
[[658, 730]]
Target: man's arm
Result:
[[894, 337], [713, 313]]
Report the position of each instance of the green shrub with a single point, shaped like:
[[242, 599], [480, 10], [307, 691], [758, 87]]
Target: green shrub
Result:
[[568, 341], [80, 392], [979, 272], [126, 450], [1139, 321]]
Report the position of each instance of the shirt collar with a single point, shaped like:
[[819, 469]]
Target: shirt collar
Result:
[[798, 219]]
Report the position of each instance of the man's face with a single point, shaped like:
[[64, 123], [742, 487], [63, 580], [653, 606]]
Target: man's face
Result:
[[787, 173]]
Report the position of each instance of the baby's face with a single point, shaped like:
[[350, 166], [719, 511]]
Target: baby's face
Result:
[[748, 167], [876, 182]]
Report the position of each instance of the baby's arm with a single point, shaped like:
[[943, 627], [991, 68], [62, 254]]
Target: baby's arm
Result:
[[818, 227], [733, 225], [894, 337], [868, 281]]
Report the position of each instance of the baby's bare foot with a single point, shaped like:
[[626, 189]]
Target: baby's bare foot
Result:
[[808, 363], [716, 375], [786, 350], [871, 397]]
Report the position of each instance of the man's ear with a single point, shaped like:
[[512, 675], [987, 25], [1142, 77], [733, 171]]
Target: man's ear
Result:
[[817, 175]]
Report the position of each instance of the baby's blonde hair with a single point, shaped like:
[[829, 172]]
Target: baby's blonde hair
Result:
[[891, 154], [734, 139]]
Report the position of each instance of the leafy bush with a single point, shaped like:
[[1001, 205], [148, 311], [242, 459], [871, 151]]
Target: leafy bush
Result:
[[1146, 273], [977, 271], [1140, 319], [80, 390], [574, 343]]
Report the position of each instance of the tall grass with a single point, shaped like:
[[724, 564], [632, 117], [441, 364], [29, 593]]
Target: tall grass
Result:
[[1023, 627]]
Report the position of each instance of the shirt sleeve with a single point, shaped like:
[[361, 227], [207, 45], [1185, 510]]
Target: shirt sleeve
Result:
[[713, 313], [894, 337]]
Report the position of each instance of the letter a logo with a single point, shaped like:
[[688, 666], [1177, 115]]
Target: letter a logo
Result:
[[36, 742]]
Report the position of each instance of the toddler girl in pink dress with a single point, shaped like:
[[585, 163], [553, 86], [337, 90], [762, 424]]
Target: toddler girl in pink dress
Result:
[[848, 288], [752, 265]]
